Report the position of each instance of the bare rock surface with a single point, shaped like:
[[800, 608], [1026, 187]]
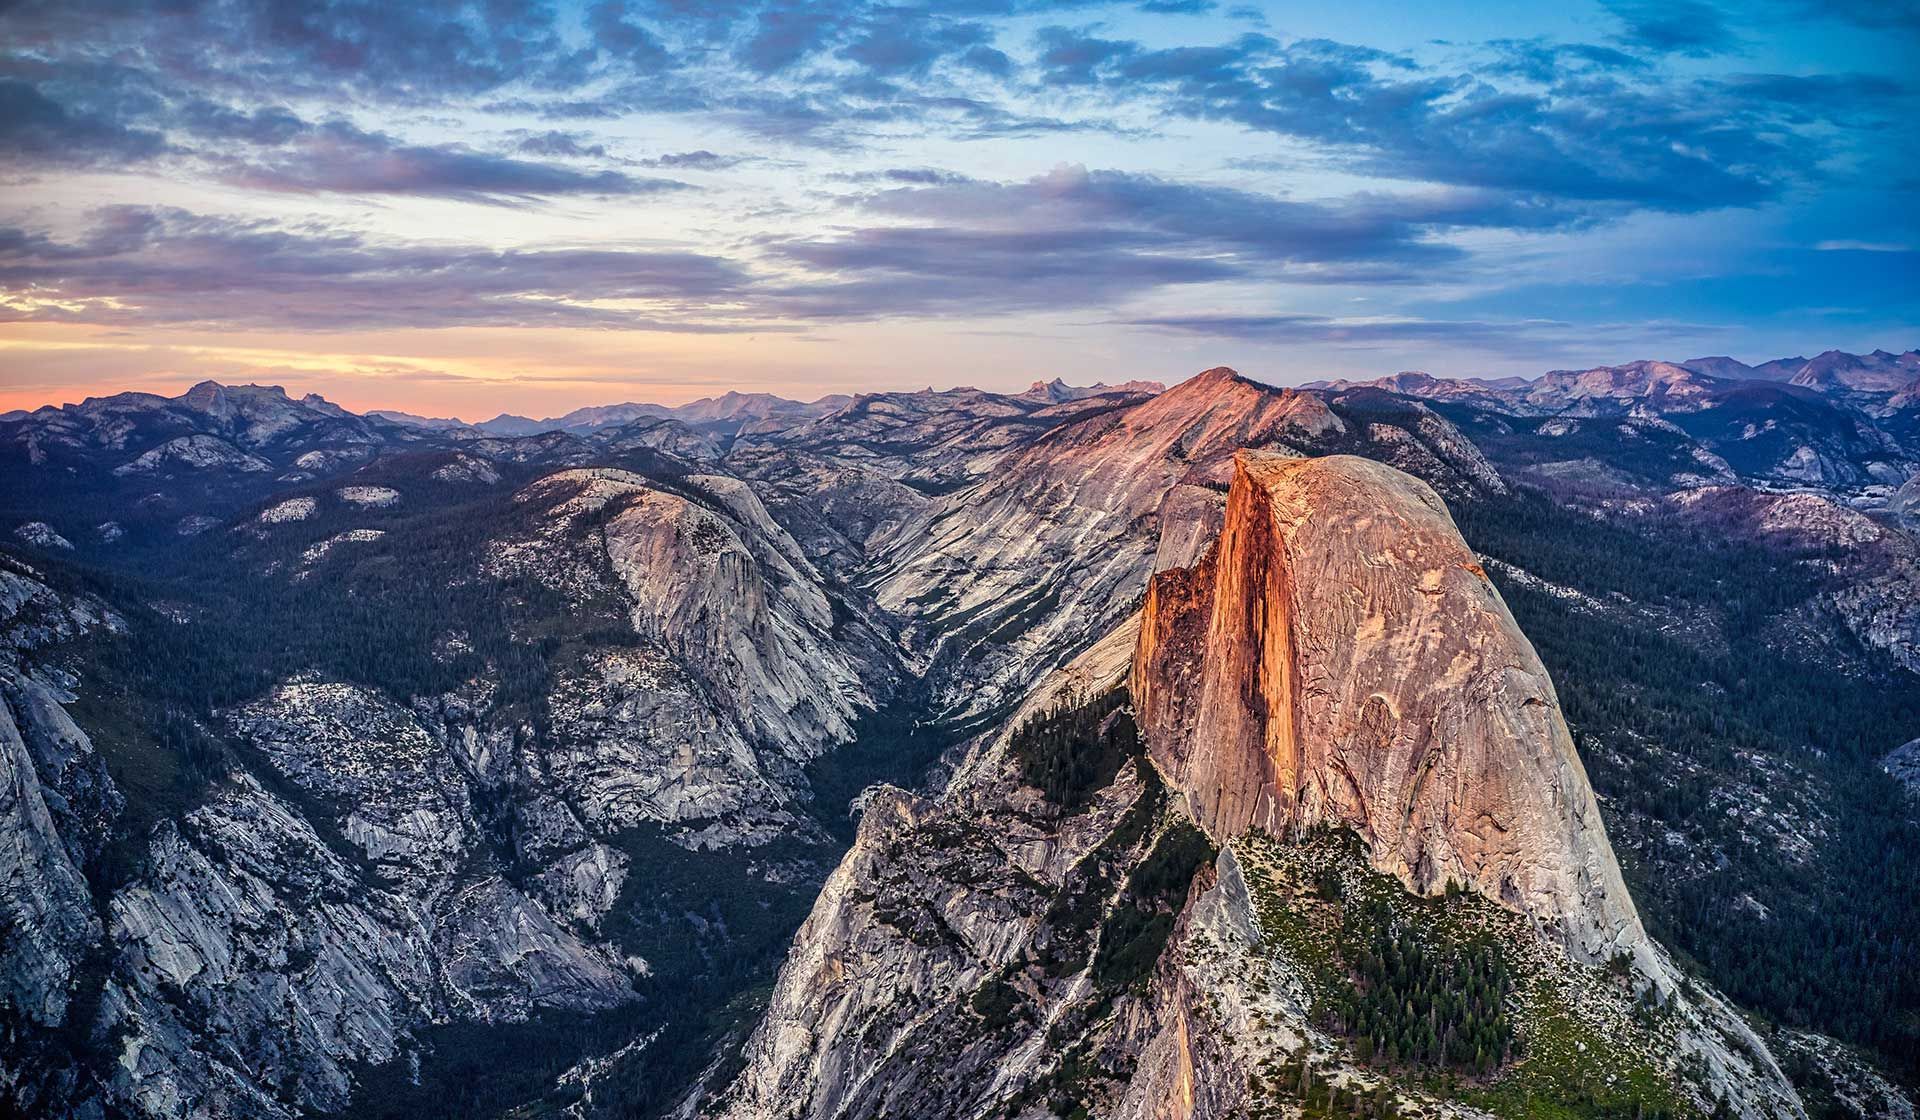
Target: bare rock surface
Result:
[[1343, 657], [44, 902], [1903, 763], [39, 534], [195, 452], [935, 440]]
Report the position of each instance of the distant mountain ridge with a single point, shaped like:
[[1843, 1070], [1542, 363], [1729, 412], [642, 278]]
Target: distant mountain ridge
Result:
[[732, 408], [1058, 391], [729, 406], [1835, 420], [1881, 372], [1878, 372]]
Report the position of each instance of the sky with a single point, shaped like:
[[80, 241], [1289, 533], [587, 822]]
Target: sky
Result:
[[460, 210]]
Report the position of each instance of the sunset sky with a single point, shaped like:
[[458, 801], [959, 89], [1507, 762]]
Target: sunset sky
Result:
[[525, 207]]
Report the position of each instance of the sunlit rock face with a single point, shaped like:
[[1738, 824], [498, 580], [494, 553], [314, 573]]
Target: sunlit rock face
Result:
[[1341, 656]]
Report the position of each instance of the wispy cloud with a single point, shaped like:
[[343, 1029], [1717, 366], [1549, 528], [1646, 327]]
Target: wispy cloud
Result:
[[1537, 338], [1689, 27], [140, 265], [338, 157]]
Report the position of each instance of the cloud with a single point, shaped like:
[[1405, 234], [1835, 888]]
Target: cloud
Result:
[[1850, 246], [885, 272], [1545, 62], [339, 157], [623, 40], [35, 128], [1666, 144], [911, 44], [141, 265], [1688, 27], [1524, 338], [1808, 99], [569, 145], [939, 246], [110, 115], [262, 124], [1069, 57], [701, 160], [1221, 219], [394, 53], [923, 176], [1323, 328], [1892, 15], [785, 33], [952, 245]]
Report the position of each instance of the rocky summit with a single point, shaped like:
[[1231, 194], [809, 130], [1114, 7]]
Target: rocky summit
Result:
[[1341, 656], [1417, 747]]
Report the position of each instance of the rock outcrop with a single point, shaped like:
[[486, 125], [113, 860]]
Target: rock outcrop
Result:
[[939, 900], [741, 672], [1905, 504], [1342, 657]]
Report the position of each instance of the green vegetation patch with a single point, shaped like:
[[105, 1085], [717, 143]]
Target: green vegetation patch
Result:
[[1136, 929], [1075, 749], [1452, 997]]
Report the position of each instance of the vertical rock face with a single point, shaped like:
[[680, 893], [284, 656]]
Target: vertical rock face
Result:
[[1341, 657], [55, 800], [44, 906]]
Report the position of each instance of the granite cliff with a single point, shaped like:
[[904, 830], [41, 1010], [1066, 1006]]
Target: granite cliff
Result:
[[1341, 656]]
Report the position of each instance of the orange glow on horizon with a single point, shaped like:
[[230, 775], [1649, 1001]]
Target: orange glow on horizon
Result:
[[471, 373]]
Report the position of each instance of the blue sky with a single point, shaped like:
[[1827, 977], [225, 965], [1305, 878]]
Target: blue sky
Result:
[[523, 206]]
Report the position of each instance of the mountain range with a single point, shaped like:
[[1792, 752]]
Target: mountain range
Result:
[[1410, 747]]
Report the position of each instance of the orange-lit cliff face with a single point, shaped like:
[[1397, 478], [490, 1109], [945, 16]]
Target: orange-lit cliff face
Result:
[[1340, 656]]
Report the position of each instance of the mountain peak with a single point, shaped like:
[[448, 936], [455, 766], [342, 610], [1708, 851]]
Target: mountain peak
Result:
[[206, 395], [1218, 375], [1213, 383], [1057, 391], [214, 390]]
